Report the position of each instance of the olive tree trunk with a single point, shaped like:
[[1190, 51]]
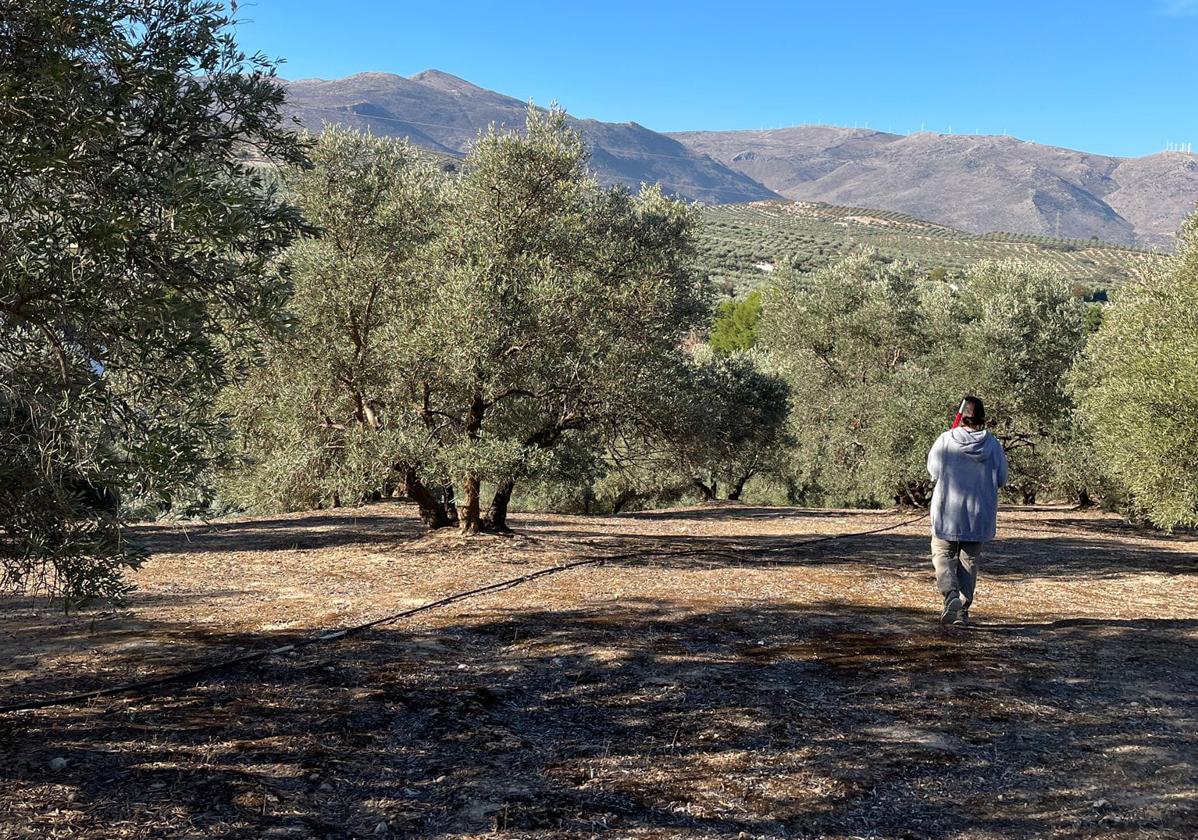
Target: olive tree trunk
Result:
[[432, 512], [497, 512], [738, 488], [470, 514], [545, 438], [470, 521]]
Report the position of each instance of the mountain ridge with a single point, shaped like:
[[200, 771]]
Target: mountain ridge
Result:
[[976, 183], [444, 113]]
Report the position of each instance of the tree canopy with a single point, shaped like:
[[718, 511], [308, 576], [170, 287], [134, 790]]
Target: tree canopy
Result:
[[876, 355], [135, 252], [1138, 389], [516, 302]]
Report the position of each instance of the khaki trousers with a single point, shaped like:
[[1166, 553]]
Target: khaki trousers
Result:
[[956, 565]]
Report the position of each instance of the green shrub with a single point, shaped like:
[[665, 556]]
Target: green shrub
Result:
[[735, 325]]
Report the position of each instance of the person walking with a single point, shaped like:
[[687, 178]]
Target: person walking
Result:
[[968, 465]]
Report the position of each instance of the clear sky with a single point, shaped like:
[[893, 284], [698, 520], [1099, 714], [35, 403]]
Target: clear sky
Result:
[[1110, 76]]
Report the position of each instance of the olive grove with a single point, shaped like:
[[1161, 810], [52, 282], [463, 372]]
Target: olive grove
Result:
[[877, 353], [201, 309]]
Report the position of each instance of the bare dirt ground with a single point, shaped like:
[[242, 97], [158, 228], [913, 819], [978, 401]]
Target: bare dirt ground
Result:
[[721, 684]]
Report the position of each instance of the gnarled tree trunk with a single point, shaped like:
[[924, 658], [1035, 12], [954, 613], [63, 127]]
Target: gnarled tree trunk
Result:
[[738, 488], [432, 514], [497, 512], [545, 438], [471, 513]]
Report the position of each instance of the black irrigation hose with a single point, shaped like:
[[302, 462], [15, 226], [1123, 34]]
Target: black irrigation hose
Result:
[[190, 675]]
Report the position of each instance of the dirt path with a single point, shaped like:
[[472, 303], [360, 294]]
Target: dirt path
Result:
[[733, 691]]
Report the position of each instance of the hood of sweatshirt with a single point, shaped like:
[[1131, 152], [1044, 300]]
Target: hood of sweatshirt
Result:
[[970, 442]]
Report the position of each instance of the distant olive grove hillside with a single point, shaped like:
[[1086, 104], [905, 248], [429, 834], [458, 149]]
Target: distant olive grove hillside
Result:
[[740, 245]]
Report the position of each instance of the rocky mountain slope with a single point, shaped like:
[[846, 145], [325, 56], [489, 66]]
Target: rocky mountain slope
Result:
[[975, 183], [444, 113]]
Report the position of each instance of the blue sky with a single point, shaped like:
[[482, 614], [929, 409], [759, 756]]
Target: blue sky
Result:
[[1115, 77]]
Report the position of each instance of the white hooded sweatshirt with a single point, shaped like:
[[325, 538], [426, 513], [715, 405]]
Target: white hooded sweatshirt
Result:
[[968, 468]]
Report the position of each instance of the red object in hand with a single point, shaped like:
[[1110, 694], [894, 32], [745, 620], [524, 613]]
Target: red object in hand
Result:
[[957, 419]]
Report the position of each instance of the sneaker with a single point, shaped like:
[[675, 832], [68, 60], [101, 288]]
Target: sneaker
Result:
[[962, 618], [965, 616], [952, 609]]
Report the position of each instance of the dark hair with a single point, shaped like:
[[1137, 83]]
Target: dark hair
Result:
[[974, 413]]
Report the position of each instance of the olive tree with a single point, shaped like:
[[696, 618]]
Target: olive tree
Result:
[[1138, 389], [339, 404], [135, 252], [555, 297], [853, 341], [1017, 330], [728, 422], [455, 329]]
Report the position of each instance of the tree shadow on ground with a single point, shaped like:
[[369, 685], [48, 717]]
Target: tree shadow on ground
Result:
[[1113, 527], [1045, 557], [646, 717], [1038, 557], [325, 529], [103, 646], [737, 511]]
